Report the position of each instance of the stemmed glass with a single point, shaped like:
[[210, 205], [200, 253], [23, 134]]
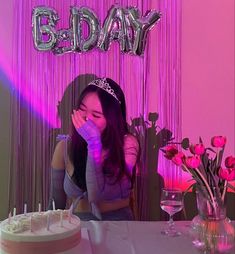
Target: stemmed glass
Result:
[[171, 202]]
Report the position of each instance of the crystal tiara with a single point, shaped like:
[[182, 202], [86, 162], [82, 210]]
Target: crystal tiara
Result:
[[103, 84]]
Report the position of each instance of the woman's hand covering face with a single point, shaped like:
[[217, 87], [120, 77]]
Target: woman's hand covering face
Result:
[[85, 127]]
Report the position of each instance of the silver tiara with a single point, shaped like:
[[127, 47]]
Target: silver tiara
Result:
[[103, 84]]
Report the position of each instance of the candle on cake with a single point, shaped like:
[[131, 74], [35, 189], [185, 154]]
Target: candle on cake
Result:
[[14, 212], [25, 209], [53, 205], [9, 218], [39, 207]]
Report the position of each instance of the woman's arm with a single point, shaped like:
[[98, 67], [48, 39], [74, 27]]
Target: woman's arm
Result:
[[94, 174], [117, 195], [95, 179], [131, 151], [57, 178]]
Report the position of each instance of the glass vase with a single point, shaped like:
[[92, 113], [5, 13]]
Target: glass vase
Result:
[[212, 231]]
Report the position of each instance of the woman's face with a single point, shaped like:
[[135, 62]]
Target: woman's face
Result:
[[91, 108]]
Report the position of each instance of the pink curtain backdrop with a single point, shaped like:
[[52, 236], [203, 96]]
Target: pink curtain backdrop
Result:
[[151, 84]]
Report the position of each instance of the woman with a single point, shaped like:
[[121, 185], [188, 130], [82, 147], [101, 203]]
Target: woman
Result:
[[97, 172]]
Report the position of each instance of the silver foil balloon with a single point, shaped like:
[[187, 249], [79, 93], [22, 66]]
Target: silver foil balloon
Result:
[[123, 25], [74, 35], [70, 35], [91, 19], [63, 35], [116, 27], [141, 27], [76, 28], [42, 31]]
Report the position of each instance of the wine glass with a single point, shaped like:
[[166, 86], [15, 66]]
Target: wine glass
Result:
[[171, 202]]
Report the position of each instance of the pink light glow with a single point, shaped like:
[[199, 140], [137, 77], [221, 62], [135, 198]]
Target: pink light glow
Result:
[[26, 93]]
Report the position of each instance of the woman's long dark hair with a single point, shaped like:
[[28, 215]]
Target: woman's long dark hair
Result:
[[112, 137]]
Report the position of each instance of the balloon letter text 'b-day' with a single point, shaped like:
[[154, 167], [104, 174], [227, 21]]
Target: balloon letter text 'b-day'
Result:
[[124, 25]]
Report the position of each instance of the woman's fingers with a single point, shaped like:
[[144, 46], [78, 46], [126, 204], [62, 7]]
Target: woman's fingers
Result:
[[77, 119], [74, 120]]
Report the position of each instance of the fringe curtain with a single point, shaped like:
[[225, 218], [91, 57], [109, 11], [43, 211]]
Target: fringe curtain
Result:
[[39, 110]]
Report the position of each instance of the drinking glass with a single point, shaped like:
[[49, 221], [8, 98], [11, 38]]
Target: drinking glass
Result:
[[171, 202]]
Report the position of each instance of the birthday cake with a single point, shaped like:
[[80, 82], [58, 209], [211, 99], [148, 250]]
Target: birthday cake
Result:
[[40, 233]]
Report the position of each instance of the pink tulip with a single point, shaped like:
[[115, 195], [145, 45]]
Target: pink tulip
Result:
[[193, 161], [170, 151], [230, 162], [178, 158], [197, 149], [218, 141], [227, 174]]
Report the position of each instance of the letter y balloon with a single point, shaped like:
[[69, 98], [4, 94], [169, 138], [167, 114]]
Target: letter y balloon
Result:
[[124, 25]]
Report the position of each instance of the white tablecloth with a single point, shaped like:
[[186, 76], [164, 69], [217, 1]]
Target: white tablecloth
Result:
[[133, 237], [137, 237]]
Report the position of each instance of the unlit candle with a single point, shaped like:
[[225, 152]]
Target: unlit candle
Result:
[[53, 205], [25, 209], [14, 212], [9, 218], [39, 207]]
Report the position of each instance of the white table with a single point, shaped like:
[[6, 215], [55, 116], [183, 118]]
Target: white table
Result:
[[138, 237]]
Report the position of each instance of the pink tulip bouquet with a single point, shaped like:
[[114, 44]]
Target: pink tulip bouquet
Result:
[[205, 165]]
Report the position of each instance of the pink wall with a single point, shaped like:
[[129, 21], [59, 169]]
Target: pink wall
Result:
[[208, 70]]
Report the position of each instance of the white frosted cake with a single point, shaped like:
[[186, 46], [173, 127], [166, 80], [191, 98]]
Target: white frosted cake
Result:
[[40, 233]]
